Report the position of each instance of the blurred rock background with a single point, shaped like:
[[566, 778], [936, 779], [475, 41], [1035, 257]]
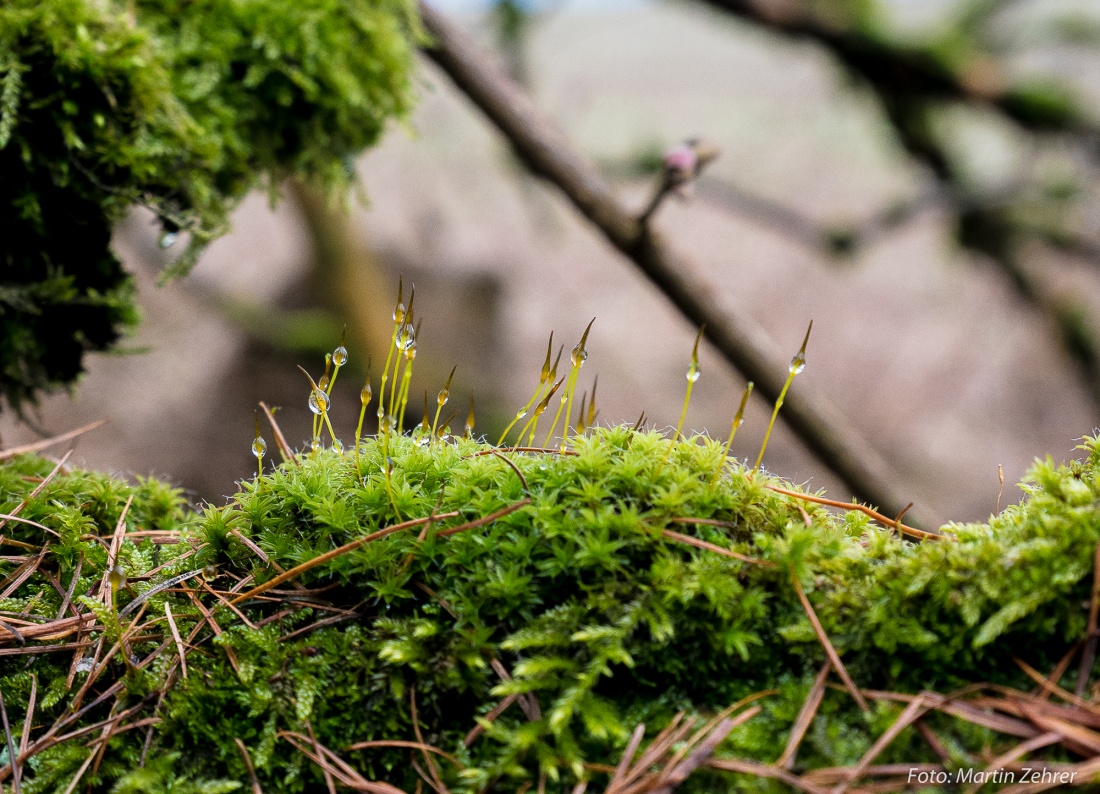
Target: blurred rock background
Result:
[[929, 349]]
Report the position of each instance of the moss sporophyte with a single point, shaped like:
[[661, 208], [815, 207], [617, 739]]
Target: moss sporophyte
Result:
[[623, 611]]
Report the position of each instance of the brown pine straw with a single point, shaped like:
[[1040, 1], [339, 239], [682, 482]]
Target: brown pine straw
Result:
[[280, 439], [436, 781], [805, 717], [891, 523], [176, 637], [298, 570], [37, 490], [1088, 656], [702, 544], [337, 767], [7, 454], [252, 779], [823, 638], [914, 711]]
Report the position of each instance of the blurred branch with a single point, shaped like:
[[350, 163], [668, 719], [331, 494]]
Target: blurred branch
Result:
[[911, 83], [739, 339], [834, 239], [904, 73]]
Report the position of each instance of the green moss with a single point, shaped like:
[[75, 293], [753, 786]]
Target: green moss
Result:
[[183, 108], [594, 613]]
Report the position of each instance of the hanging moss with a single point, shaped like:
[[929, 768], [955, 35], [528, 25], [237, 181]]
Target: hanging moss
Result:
[[178, 106], [591, 608]]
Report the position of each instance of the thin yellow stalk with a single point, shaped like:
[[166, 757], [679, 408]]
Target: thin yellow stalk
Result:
[[577, 357], [398, 321], [798, 363], [544, 378], [441, 400], [365, 395], [738, 418]]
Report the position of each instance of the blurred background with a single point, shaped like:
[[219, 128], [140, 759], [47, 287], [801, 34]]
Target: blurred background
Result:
[[946, 253]]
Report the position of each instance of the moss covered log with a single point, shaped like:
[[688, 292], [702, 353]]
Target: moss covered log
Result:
[[177, 106], [565, 585]]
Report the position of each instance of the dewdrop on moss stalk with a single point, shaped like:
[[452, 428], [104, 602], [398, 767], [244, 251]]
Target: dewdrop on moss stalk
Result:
[[578, 356], [365, 395], [533, 422], [259, 449], [693, 374], [424, 429], [544, 378], [339, 359], [117, 579], [798, 363], [738, 419], [468, 432], [441, 400], [318, 401]]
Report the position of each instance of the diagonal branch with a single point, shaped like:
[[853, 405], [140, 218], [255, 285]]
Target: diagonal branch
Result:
[[739, 339]]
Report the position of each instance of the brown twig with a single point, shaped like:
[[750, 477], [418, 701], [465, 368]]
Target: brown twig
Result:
[[1088, 656], [497, 710], [740, 340], [805, 717], [886, 522], [280, 439], [14, 757], [298, 570], [7, 454], [480, 522], [37, 490], [176, 637], [433, 769], [912, 713], [830, 651], [702, 544], [252, 779]]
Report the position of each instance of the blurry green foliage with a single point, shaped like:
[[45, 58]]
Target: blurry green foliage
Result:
[[592, 611], [178, 106]]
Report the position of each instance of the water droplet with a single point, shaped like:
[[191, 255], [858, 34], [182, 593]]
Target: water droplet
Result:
[[209, 573], [168, 239], [399, 313], [259, 447], [340, 356], [338, 446], [444, 395], [117, 577], [365, 395], [318, 401], [408, 338], [578, 356], [798, 363], [323, 382], [315, 444], [410, 351], [520, 415], [385, 424], [693, 374], [424, 440]]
